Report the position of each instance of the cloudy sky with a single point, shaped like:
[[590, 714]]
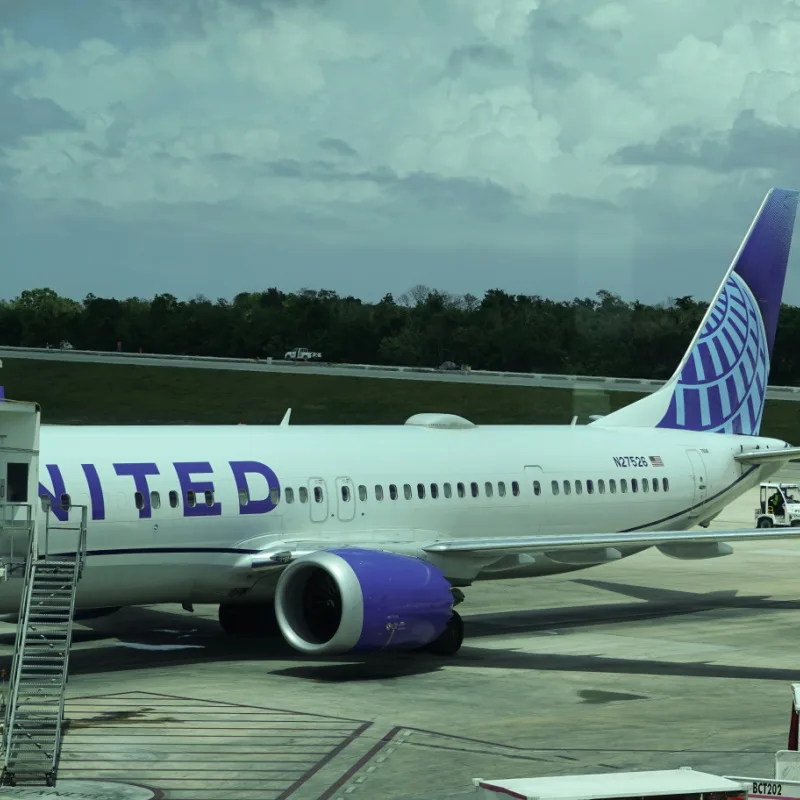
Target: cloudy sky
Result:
[[552, 147]]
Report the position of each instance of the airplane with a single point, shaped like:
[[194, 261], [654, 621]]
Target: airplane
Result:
[[357, 539]]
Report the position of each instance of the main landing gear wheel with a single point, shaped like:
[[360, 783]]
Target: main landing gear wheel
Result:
[[449, 643], [256, 619]]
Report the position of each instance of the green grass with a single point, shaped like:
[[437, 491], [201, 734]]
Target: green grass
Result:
[[121, 393]]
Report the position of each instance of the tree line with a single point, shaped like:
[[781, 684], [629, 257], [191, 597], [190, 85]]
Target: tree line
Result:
[[603, 335]]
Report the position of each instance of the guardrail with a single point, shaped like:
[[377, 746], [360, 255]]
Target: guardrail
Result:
[[644, 385]]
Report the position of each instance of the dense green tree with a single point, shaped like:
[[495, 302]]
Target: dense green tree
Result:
[[601, 335]]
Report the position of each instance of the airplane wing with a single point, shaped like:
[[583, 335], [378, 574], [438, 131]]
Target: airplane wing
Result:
[[585, 541], [768, 456]]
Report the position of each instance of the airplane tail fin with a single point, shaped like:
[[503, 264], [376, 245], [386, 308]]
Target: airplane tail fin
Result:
[[721, 383]]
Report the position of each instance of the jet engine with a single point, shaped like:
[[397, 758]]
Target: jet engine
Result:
[[351, 600]]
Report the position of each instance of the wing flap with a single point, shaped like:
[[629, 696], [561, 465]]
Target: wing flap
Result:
[[582, 541]]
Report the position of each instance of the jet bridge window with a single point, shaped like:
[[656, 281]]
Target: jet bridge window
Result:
[[173, 499], [474, 489], [138, 499], [155, 499], [17, 474], [378, 492], [392, 491], [421, 491], [434, 491], [288, 493], [244, 496], [448, 490], [537, 488], [362, 493], [554, 487], [515, 488], [191, 499], [461, 490], [665, 484], [578, 487], [302, 494], [407, 491], [501, 488], [488, 488]]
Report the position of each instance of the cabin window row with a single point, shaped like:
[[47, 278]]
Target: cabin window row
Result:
[[420, 490], [636, 484]]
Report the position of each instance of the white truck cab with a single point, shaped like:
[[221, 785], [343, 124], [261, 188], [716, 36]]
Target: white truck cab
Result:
[[779, 505]]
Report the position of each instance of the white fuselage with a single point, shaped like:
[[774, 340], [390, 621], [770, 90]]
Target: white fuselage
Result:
[[331, 480]]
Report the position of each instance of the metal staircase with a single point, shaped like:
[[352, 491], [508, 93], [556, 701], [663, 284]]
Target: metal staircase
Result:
[[34, 710]]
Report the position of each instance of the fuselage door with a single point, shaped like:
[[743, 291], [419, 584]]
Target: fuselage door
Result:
[[700, 482], [318, 499], [345, 499]]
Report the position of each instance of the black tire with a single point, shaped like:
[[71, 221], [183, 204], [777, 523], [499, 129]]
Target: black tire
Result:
[[449, 643], [256, 619], [765, 522]]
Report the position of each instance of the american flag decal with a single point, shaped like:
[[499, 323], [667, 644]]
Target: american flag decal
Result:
[[656, 461]]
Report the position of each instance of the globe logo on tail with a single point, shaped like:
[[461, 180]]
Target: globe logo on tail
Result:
[[722, 385]]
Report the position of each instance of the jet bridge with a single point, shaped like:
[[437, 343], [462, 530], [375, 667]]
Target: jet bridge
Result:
[[34, 699]]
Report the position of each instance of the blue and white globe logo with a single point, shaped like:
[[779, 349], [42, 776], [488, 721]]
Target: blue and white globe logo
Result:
[[722, 386]]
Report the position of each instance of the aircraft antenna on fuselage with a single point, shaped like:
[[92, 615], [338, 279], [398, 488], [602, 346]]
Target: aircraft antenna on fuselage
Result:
[[285, 420]]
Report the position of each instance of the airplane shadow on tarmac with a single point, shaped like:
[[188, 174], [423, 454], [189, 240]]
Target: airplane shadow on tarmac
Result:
[[141, 638]]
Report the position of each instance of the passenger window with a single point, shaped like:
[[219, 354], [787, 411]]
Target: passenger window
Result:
[[209, 497], [191, 499], [655, 484], [244, 498], [392, 491], [589, 487], [66, 501], [537, 488], [434, 491], [378, 491], [448, 490], [578, 487], [612, 485], [634, 485], [601, 486], [665, 484], [461, 490], [501, 488], [407, 491], [553, 486], [488, 487], [288, 493], [317, 494], [346, 494], [138, 498], [274, 495], [515, 487], [155, 499], [623, 485], [567, 487], [421, 491], [173, 498], [303, 494], [645, 485], [362, 493], [474, 489]]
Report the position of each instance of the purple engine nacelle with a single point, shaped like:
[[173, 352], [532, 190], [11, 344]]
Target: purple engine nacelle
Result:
[[345, 600]]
